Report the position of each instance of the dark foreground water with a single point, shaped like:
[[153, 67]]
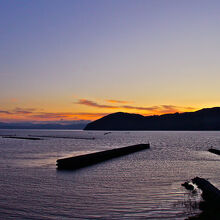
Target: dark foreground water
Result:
[[143, 185]]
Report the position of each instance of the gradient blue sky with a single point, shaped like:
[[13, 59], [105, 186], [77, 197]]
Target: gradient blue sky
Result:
[[68, 58]]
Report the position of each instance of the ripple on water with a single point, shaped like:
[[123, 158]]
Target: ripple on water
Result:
[[145, 184]]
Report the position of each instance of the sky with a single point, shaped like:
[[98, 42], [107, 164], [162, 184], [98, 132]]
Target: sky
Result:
[[80, 59]]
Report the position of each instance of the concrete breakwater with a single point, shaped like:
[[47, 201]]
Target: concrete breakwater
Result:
[[214, 151], [77, 162], [24, 138]]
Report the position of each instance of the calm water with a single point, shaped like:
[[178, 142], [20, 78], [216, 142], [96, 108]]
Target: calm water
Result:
[[143, 185]]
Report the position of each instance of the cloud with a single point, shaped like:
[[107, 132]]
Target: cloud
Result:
[[160, 109], [18, 111], [5, 112], [117, 101], [97, 105], [168, 109], [94, 104], [24, 110], [67, 116], [49, 115], [173, 108], [139, 108], [91, 114], [33, 114], [63, 122]]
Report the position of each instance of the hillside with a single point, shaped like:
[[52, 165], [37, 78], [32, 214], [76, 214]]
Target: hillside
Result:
[[204, 119]]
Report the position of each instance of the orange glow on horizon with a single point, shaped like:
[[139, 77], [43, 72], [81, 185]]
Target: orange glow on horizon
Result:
[[68, 116], [48, 116]]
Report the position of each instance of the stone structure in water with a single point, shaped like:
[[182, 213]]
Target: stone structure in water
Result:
[[77, 162]]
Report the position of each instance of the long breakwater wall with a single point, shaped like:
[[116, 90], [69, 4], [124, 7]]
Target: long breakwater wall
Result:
[[77, 162], [214, 151]]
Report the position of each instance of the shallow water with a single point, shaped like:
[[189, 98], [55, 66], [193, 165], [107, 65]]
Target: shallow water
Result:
[[143, 185]]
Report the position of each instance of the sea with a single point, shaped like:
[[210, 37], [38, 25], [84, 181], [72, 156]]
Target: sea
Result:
[[142, 185]]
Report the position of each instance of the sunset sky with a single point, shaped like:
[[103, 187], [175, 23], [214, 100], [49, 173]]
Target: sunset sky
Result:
[[82, 59]]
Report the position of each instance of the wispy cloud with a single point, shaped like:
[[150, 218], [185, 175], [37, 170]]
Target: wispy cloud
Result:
[[160, 109], [5, 112], [24, 110], [63, 122], [67, 115], [173, 108], [31, 114], [94, 104], [91, 114], [117, 101], [168, 108], [139, 108]]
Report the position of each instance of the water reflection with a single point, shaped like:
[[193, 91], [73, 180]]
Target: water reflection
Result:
[[142, 185]]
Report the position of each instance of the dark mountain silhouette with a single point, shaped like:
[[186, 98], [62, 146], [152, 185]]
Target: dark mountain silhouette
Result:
[[204, 119], [41, 126]]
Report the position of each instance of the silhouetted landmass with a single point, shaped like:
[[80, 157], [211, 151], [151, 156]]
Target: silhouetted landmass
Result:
[[204, 119], [41, 126]]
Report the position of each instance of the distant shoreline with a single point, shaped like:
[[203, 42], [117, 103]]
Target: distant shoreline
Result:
[[42, 129], [68, 129]]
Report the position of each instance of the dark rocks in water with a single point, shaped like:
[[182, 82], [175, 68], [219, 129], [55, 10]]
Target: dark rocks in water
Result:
[[188, 186], [205, 119], [214, 151], [209, 192], [77, 162], [211, 205]]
